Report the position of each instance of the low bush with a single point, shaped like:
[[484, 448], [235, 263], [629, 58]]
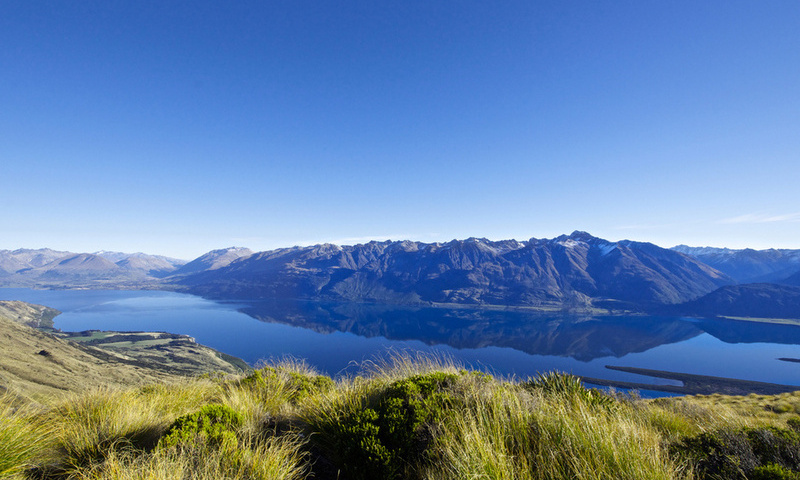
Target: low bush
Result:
[[741, 454], [794, 424], [388, 436], [773, 472], [295, 384], [212, 425]]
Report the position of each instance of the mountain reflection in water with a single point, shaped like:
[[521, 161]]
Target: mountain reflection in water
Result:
[[337, 338], [583, 338]]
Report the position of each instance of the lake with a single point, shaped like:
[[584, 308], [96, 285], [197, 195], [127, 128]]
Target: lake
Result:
[[336, 337]]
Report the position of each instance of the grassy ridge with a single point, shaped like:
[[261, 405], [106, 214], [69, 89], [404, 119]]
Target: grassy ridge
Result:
[[407, 418]]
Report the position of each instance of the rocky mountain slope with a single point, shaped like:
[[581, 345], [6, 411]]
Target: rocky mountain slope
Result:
[[571, 271], [578, 270], [213, 260]]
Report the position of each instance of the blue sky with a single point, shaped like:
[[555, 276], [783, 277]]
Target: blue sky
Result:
[[178, 127]]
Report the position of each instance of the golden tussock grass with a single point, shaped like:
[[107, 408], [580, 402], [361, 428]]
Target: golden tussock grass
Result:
[[478, 427]]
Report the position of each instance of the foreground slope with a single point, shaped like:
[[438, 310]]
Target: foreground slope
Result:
[[410, 418], [578, 270]]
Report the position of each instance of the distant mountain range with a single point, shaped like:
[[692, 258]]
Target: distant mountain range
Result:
[[765, 300], [748, 265], [570, 272], [51, 268]]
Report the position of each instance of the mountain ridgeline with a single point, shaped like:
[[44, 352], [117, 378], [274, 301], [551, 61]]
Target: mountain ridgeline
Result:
[[578, 270]]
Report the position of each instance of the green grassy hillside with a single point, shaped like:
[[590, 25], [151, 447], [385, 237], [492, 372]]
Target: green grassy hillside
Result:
[[410, 418]]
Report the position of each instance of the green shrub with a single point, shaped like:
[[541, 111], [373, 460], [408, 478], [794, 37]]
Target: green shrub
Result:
[[212, 425], [722, 454], [739, 454], [298, 385], [390, 434], [773, 472], [781, 407], [794, 424], [775, 445]]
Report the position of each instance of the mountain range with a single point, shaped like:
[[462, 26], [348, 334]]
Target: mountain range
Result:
[[748, 265], [50, 268], [576, 271]]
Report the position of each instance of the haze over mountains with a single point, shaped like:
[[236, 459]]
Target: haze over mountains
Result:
[[576, 271]]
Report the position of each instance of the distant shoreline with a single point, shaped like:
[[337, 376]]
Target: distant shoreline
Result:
[[693, 384]]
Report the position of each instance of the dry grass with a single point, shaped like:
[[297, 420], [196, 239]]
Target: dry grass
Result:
[[274, 459], [486, 429], [92, 426], [753, 409], [508, 433], [24, 438]]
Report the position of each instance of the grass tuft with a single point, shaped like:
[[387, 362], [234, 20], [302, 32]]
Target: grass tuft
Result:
[[23, 438]]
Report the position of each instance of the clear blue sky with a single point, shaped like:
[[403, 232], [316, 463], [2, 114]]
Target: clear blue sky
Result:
[[177, 127]]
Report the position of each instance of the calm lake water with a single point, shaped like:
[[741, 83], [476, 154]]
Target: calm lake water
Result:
[[335, 337]]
